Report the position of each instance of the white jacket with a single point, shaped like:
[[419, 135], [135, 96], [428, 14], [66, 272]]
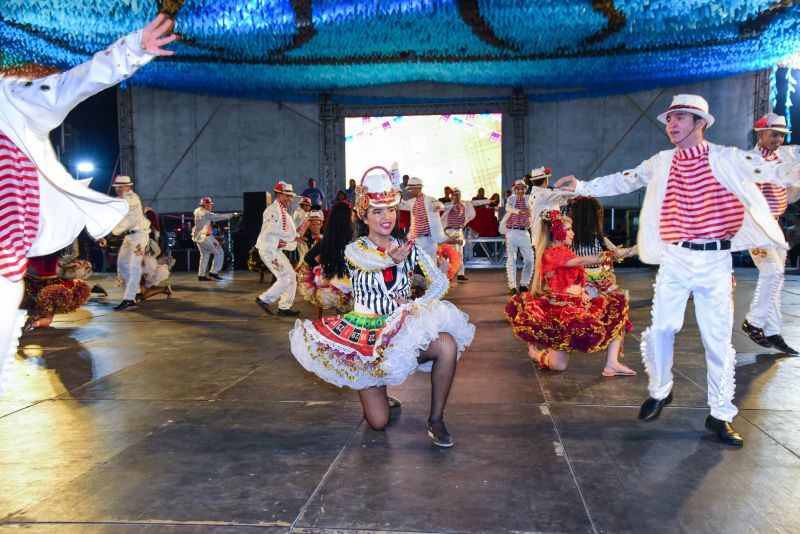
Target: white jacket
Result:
[[134, 220], [432, 207], [789, 153], [272, 230], [511, 209], [544, 198], [202, 218], [30, 109], [735, 169]]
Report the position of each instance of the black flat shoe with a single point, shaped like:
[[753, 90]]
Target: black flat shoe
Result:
[[651, 408], [203, 279], [264, 306], [288, 313], [138, 297], [512, 291], [124, 305], [779, 343], [98, 290], [523, 289], [756, 334], [393, 402], [462, 277], [438, 433], [724, 431], [215, 276]]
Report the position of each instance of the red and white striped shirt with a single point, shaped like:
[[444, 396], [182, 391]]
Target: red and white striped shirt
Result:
[[457, 216], [696, 206], [284, 225], [777, 198], [516, 220], [19, 209], [419, 219]]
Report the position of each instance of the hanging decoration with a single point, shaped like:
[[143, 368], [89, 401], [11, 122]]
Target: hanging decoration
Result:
[[267, 48]]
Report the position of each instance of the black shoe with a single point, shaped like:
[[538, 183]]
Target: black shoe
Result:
[[462, 277], [393, 402], [779, 343], [756, 334], [512, 291], [523, 289], [98, 289], [138, 297], [204, 278], [651, 408], [288, 313], [724, 431], [124, 305], [439, 433], [264, 306], [215, 276]]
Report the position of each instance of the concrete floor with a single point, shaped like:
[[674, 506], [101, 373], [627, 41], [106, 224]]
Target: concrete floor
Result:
[[190, 415]]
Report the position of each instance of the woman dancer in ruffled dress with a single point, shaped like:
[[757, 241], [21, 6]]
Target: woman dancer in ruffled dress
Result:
[[322, 275], [387, 337], [557, 314]]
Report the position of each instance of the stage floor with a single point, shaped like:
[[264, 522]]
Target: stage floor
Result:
[[191, 415]]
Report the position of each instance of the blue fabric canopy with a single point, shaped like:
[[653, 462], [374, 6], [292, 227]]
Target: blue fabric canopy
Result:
[[263, 48]]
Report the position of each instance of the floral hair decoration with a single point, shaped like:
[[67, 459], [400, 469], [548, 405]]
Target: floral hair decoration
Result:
[[556, 220]]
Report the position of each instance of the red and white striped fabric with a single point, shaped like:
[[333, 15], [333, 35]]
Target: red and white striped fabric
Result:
[[777, 197], [516, 220], [284, 225], [457, 216], [696, 206], [419, 219], [19, 209]]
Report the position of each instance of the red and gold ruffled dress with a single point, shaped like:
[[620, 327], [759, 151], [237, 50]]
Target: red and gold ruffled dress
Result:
[[565, 318]]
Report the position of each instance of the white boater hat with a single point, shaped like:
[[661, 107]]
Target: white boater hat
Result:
[[541, 172], [121, 180], [316, 214], [694, 104], [285, 188], [414, 182], [772, 121], [519, 183], [376, 189]]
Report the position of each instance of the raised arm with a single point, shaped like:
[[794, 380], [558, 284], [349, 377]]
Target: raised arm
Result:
[[613, 184]]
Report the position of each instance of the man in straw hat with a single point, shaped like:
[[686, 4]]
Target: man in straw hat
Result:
[[56, 207], [457, 214], [207, 244], [278, 233], [135, 228], [764, 321], [515, 225], [701, 203], [541, 197], [426, 227]]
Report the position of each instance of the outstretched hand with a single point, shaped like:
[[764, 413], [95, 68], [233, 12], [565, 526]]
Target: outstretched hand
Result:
[[153, 35], [567, 183], [399, 253]]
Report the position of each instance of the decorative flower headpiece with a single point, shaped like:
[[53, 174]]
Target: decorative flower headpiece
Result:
[[556, 221], [376, 189]]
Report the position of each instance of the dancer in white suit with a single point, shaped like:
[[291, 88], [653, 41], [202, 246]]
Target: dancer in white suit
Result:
[[701, 203], [207, 244], [515, 225], [457, 215], [426, 228], [764, 320]]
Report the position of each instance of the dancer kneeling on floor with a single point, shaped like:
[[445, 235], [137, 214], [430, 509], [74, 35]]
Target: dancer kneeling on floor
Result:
[[386, 337], [557, 315]]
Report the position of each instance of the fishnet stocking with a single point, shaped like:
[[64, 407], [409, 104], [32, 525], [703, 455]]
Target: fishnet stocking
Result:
[[442, 351], [376, 406]]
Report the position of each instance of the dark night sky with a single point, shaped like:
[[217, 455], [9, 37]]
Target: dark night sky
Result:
[[94, 137]]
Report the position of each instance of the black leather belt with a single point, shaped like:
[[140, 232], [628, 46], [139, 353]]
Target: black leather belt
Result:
[[723, 244], [423, 235], [453, 228], [517, 227]]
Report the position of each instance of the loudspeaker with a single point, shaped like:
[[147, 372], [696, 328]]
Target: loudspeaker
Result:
[[254, 205]]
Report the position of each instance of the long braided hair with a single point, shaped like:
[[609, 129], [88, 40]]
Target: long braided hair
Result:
[[337, 234], [587, 222]]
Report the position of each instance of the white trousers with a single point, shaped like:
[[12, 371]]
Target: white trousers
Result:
[[458, 234], [129, 262], [518, 241], [210, 248], [706, 274], [285, 285], [11, 321], [765, 310]]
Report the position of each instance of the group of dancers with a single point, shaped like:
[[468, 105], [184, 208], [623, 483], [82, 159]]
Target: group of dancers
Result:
[[701, 203]]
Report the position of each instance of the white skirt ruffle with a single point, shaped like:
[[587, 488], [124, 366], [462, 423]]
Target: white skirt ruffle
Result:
[[407, 331]]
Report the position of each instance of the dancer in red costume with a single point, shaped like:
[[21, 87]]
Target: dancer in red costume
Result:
[[557, 314]]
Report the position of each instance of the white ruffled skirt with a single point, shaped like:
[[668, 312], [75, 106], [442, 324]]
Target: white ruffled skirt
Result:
[[362, 351]]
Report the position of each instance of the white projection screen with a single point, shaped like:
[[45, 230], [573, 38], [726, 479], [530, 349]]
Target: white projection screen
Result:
[[455, 150]]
